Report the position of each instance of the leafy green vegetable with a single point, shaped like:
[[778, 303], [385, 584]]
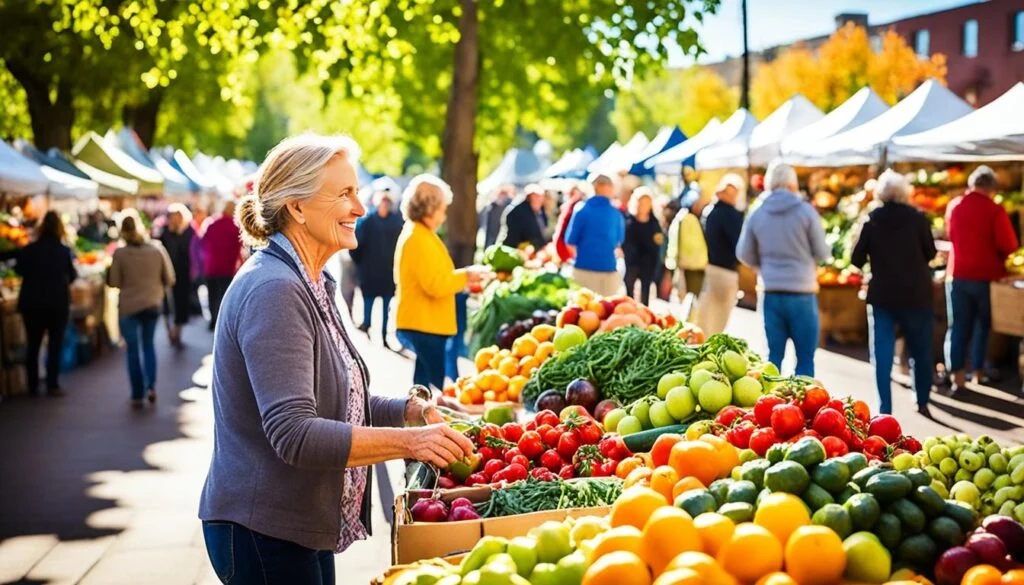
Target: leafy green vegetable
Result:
[[507, 302], [534, 495], [502, 258]]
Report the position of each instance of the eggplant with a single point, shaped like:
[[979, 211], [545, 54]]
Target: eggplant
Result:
[[550, 400]]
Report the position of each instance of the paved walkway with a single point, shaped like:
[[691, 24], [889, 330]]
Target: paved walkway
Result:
[[94, 493]]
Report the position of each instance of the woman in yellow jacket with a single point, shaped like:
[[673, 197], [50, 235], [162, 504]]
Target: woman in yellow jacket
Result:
[[426, 279]]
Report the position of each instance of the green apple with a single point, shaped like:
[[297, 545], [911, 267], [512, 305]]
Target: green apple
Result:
[[867, 560], [670, 381], [681, 402], [746, 391], [714, 395]]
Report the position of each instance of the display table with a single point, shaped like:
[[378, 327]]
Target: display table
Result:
[[843, 315]]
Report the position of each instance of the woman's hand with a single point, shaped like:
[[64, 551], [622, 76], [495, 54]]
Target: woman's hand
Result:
[[419, 411], [478, 274], [437, 444]]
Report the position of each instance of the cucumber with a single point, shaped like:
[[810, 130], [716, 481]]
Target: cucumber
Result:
[[753, 471], [861, 477], [742, 491], [816, 497], [889, 530], [848, 492], [787, 476], [835, 517], [696, 502], [945, 532], [832, 475], [918, 477], [963, 514], [808, 452], [776, 453], [911, 516], [855, 461], [643, 441], [918, 551], [930, 502], [864, 511], [888, 486], [720, 489]]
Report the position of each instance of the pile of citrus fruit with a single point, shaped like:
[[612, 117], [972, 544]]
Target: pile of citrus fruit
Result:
[[502, 373]]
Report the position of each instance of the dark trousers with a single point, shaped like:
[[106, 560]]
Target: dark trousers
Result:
[[216, 286], [645, 274], [969, 311], [138, 331], [368, 313], [37, 323], [916, 325], [429, 350], [242, 557], [179, 300], [455, 347]]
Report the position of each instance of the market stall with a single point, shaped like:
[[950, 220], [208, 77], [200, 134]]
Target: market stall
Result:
[[671, 161], [572, 165], [861, 107], [618, 159], [518, 167], [667, 138]]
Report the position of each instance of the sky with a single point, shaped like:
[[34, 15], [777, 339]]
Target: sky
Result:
[[776, 22]]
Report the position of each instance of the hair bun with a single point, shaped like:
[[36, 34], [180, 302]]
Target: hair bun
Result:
[[249, 214]]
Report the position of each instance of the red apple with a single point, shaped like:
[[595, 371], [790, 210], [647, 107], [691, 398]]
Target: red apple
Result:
[[953, 564], [989, 548], [568, 316]]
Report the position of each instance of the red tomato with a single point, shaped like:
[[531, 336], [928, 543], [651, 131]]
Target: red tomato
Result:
[[829, 422], [787, 420], [530, 444], [542, 474], [493, 466], [887, 427], [613, 447], [763, 409], [488, 453], [567, 471], [727, 415], [815, 398], [520, 460], [861, 410], [512, 431], [875, 445], [479, 479], [762, 439], [834, 447], [551, 437], [740, 434], [511, 454], [530, 426], [911, 444], [515, 472], [590, 432], [551, 460], [568, 444], [490, 430], [546, 417], [836, 404], [662, 448], [603, 468]]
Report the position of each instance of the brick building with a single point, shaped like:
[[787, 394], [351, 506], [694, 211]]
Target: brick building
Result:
[[983, 44]]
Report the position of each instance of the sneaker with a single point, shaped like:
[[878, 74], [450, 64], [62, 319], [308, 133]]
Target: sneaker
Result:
[[923, 411], [365, 328], [151, 396]]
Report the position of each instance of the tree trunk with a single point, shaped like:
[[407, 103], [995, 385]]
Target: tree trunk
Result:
[[142, 118], [459, 164], [51, 119]]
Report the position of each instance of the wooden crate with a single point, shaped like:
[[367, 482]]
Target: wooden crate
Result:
[[1008, 307], [843, 315]]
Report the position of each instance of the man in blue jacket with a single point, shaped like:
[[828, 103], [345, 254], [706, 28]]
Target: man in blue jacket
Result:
[[783, 240], [595, 233]]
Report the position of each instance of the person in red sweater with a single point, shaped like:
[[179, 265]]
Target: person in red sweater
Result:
[[982, 238], [222, 255], [575, 197]]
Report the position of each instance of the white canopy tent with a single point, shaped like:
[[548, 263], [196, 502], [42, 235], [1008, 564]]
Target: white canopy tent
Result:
[[994, 132], [670, 161], [210, 169], [622, 159], [605, 157], [171, 174], [19, 175], [128, 141], [863, 106], [929, 106], [765, 141], [730, 147], [518, 167]]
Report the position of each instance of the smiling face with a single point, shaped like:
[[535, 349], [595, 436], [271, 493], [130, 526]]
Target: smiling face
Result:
[[331, 213]]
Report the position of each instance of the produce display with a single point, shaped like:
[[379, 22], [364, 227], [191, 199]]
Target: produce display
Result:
[[977, 472], [517, 299], [503, 372], [13, 235], [533, 495], [594, 314], [502, 258]]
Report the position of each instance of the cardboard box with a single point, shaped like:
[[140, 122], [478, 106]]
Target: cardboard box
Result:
[[1008, 307], [519, 525]]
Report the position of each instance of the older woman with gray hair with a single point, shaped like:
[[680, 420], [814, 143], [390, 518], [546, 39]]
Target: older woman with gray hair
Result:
[[427, 280], [897, 242], [296, 429]]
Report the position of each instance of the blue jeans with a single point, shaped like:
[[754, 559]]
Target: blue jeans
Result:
[[139, 329], [791, 316], [916, 325], [368, 310], [241, 557], [456, 346], [429, 350], [969, 311]]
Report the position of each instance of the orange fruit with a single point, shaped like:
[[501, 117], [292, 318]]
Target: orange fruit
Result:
[[663, 479], [450, 391], [777, 578], [751, 553], [781, 514], [499, 382], [627, 465], [618, 568], [646, 457], [680, 577], [484, 356], [543, 332], [501, 396], [527, 365], [663, 447], [627, 538], [982, 575], [465, 398], [1013, 577], [544, 351], [524, 346], [489, 396], [639, 476], [476, 395], [509, 366], [704, 564], [686, 484], [814, 555], [714, 530], [695, 459], [728, 455], [668, 532], [496, 360], [515, 386], [635, 506], [485, 380]]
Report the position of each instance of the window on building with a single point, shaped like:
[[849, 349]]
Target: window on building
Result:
[[1018, 31], [922, 42], [970, 48]]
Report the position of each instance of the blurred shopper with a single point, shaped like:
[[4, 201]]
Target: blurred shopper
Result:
[[47, 269], [722, 226], [687, 252], [641, 248], [427, 280], [177, 240], [142, 270], [377, 235], [492, 214], [569, 206], [595, 233], [525, 222], [783, 240], [96, 228], [897, 241], [982, 238], [195, 255], [222, 255]]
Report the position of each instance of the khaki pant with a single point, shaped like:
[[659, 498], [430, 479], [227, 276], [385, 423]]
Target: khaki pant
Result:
[[605, 284], [717, 299], [690, 282]]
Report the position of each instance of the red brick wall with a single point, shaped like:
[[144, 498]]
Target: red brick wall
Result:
[[996, 68]]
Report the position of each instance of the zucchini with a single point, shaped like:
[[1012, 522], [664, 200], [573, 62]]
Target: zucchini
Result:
[[643, 441]]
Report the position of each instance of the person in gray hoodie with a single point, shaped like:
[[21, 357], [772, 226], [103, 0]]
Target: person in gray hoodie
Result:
[[783, 240]]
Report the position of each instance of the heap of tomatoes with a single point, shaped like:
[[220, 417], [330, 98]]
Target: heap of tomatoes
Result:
[[547, 448], [842, 425]]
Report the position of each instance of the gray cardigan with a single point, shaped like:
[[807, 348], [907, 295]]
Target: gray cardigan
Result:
[[280, 392]]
